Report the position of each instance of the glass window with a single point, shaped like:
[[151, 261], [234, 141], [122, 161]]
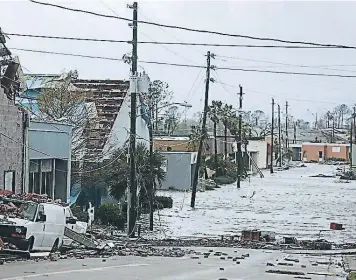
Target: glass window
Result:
[[29, 211]]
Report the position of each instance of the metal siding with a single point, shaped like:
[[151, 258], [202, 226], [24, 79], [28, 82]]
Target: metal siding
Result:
[[46, 139], [178, 171]]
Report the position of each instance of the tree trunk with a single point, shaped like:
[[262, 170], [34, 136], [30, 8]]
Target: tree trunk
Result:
[[225, 143], [342, 119], [215, 147]]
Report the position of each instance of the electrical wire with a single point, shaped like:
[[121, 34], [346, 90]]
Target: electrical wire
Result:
[[152, 42], [194, 29], [286, 72], [193, 66], [282, 64], [115, 13]]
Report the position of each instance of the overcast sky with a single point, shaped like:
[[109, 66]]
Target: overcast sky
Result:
[[319, 21]]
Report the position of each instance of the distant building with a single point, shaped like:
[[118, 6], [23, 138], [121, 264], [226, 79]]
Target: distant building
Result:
[[183, 144], [325, 151]]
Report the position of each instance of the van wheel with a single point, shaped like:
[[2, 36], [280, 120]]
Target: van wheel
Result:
[[55, 246], [30, 243]]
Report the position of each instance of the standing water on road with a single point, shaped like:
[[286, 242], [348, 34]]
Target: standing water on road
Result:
[[290, 203]]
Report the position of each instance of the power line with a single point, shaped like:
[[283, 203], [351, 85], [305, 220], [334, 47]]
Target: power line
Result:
[[288, 98], [194, 29], [168, 43], [285, 72], [68, 54], [285, 64], [191, 65]]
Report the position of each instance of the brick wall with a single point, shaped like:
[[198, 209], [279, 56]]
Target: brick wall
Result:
[[11, 125]]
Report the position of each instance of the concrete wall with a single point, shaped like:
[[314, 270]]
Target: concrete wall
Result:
[[260, 148], [11, 142], [179, 170], [310, 151]]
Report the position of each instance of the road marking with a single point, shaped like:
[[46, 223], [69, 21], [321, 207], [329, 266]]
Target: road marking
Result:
[[72, 271]]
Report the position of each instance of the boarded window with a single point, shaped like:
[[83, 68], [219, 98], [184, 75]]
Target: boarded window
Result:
[[335, 149], [9, 180]]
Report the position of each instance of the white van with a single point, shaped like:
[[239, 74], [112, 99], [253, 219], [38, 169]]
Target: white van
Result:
[[41, 227]]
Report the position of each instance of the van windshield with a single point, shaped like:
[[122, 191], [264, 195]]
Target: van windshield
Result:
[[29, 211]]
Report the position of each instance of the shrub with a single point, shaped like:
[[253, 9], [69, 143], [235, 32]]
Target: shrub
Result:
[[224, 180], [335, 159], [163, 202], [232, 174], [111, 214]]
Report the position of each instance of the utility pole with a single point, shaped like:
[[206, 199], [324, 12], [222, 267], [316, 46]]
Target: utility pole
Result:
[[133, 183], [151, 190], [239, 143], [203, 131], [272, 131], [287, 125], [279, 136], [295, 133], [354, 123], [351, 140], [316, 120], [353, 132]]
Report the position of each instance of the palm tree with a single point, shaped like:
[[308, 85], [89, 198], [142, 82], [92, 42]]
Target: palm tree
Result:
[[117, 174], [214, 114]]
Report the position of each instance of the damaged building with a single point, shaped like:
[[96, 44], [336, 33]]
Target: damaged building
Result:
[[107, 95], [12, 139]]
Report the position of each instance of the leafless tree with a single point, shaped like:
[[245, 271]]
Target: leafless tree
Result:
[[60, 101]]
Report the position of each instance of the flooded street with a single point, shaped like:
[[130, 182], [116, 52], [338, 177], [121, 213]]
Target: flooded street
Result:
[[287, 202]]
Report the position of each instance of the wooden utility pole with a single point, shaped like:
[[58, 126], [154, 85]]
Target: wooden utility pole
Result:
[[354, 123], [279, 136], [351, 140], [151, 180], [287, 125], [203, 131], [133, 183], [239, 143], [272, 131], [353, 132]]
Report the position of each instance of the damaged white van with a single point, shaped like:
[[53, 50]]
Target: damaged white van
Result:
[[38, 227]]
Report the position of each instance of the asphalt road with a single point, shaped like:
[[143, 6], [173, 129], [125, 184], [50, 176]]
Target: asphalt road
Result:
[[186, 268]]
